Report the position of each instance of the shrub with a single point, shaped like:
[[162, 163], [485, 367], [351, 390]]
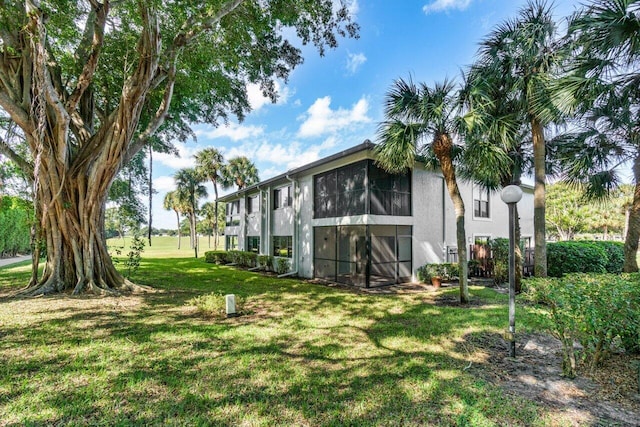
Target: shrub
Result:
[[575, 257], [500, 257], [266, 262], [594, 309], [132, 262], [216, 257], [282, 265], [615, 255], [446, 270], [214, 305]]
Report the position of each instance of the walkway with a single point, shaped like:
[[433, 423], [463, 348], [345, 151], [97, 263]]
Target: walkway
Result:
[[9, 261]]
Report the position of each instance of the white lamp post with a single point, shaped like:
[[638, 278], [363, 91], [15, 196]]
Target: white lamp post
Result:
[[511, 194]]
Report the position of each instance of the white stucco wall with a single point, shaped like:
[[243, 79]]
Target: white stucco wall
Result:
[[432, 218], [427, 217], [497, 223]]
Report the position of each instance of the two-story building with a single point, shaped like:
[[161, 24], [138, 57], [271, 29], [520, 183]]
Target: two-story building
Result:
[[344, 219]]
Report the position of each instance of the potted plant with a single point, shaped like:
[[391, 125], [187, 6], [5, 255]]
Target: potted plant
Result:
[[431, 273]]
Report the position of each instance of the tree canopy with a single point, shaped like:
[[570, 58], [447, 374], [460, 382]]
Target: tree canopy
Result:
[[89, 83]]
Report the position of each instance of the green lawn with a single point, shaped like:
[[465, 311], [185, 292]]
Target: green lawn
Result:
[[167, 247], [305, 354]]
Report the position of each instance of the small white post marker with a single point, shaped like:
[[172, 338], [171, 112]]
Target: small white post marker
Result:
[[231, 305]]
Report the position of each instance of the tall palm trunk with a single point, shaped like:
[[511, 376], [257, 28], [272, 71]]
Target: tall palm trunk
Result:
[[633, 228], [179, 233], [539, 231], [442, 147], [215, 216]]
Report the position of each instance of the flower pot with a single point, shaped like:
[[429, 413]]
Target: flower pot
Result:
[[436, 281]]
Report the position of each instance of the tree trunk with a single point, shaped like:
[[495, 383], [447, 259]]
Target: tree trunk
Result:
[[442, 146], [215, 217], [179, 234], [72, 220], [539, 231], [633, 228], [150, 192]]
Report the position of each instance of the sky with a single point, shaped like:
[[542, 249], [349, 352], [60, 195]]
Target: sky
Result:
[[334, 102]]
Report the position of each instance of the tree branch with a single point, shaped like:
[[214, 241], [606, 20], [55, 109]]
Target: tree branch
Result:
[[18, 115], [188, 32], [84, 80], [135, 90], [22, 163]]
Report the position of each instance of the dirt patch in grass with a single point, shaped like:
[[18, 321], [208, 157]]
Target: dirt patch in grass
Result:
[[609, 397]]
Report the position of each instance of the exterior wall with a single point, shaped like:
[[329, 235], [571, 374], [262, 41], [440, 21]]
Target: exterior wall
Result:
[[432, 219], [428, 215], [497, 223]]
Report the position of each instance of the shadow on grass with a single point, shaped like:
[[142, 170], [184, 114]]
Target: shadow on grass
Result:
[[308, 354]]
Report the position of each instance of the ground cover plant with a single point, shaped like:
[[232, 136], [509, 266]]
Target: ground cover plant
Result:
[[305, 354]]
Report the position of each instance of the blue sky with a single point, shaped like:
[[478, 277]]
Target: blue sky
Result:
[[334, 102]]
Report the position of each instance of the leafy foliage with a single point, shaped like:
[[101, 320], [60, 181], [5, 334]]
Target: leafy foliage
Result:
[[500, 256], [216, 257], [266, 262], [593, 309], [16, 216], [132, 261], [282, 265], [445, 270], [582, 257]]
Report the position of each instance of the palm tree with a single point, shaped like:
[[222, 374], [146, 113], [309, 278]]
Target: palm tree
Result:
[[210, 163], [241, 172], [209, 211], [495, 153], [420, 120], [524, 51], [602, 85], [171, 202], [190, 190], [593, 156]]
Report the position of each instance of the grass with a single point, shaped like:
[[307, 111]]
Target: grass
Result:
[[167, 247], [305, 354]]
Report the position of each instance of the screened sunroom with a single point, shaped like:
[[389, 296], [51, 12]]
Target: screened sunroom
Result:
[[364, 255]]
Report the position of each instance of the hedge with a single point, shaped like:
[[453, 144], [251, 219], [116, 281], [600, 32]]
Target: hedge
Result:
[[241, 258], [598, 310], [584, 257]]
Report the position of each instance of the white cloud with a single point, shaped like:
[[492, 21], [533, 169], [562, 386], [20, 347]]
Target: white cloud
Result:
[[321, 119], [185, 160], [257, 100], [233, 131], [164, 183], [445, 5], [354, 62]]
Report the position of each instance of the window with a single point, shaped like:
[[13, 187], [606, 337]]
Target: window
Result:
[[480, 202], [233, 213], [282, 197], [253, 244], [361, 188], [282, 246], [231, 243], [253, 205]]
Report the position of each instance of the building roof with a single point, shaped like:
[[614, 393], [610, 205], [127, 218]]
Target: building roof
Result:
[[366, 145]]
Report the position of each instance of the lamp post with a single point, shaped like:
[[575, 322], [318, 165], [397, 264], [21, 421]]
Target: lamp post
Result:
[[511, 194]]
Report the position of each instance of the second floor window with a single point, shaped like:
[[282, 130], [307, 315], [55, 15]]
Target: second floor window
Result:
[[252, 204], [480, 202], [282, 197]]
